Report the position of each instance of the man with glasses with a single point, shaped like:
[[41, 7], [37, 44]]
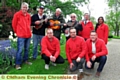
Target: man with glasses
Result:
[[75, 51], [51, 49], [74, 23]]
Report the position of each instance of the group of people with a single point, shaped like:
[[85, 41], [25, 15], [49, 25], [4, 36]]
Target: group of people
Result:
[[83, 42]]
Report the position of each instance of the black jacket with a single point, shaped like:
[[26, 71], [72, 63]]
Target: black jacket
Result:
[[40, 31], [76, 25], [57, 33]]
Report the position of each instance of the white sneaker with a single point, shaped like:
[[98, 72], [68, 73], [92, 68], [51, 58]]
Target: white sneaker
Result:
[[54, 64], [46, 66], [80, 70]]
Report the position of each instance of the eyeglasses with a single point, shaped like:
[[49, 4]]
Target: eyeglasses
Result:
[[72, 16]]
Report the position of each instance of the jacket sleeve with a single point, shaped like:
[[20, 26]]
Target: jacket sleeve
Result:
[[67, 53], [106, 34], [33, 19], [87, 53], [15, 22], [103, 50], [44, 47], [83, 44], [92, 27], [57, 53]]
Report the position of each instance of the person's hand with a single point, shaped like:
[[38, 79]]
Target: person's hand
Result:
[[64, 24], [78, 59], [37, 22], [51, 24], [46, 20], [54, 59], [66, 31], [71, 65], [51, 58], [89, 64], [93, 57], [80, 22]]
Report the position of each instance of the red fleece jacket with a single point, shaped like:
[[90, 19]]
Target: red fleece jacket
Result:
[[102, 32], [87, 29], [101, 49], [21, 24], [75, 48], [50, 47]]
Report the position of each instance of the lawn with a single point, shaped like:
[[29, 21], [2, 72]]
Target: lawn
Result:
[[38, 65]]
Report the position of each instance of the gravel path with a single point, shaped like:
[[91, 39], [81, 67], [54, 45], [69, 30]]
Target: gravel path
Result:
[[111, 69]]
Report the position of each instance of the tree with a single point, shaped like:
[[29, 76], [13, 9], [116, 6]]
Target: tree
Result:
[[113, 16]]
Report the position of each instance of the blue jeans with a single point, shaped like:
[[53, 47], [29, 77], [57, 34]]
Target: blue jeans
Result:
[[101, 60], [22, 43], [36, 40]]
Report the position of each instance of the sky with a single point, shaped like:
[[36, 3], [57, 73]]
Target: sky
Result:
[[97, 8]]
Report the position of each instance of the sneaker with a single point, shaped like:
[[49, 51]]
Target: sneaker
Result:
[[46, 66], [18, 67], [29, 63], [80, 70], [54, 64]]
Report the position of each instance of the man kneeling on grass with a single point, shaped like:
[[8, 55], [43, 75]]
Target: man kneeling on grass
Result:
[[51, 49], [96, 52], [75, 51]]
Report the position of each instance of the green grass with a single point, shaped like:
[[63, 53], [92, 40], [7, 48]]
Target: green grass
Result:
[[116, 37], [38, 65]]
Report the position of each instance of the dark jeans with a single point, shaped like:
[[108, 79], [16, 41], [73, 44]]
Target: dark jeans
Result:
[[22, 43], [101, 60], [77, 65], [59, 59]]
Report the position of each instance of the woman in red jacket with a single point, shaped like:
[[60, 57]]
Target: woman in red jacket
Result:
[[96, 52], [102, 29]]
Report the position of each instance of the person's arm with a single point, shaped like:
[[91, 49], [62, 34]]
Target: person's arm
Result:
[[15, 22], [84, 47], [103, 50], [57, 53], [33, 19], [67, 53], [92, 27], [44, 47], [106, 34]]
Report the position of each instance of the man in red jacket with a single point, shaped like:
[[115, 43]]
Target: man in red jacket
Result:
[[96, 52], [21, 26], [75, 51], [51, 49], [87, 26]]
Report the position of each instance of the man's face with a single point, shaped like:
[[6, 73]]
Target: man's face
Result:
[[86, 16], [93, 36], [73, 18], [41, 11], [72, 33], [24, 9], [49, 34], [57, 13]]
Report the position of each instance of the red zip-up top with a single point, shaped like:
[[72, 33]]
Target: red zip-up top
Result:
[[75, 48], [101, 49], [102, 32], [50, 47], [21, 24], [87, 29]]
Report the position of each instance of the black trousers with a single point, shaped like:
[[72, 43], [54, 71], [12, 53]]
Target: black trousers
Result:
[[59, 59]]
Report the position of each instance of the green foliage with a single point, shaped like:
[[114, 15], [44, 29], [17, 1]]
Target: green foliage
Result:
[[113, 17]]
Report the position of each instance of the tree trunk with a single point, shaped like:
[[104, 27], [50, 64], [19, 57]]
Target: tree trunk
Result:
[[3, 3]]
